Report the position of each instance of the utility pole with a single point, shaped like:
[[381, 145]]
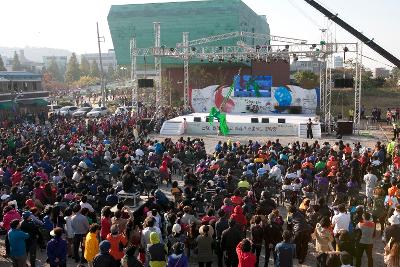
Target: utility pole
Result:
[[102, 88]]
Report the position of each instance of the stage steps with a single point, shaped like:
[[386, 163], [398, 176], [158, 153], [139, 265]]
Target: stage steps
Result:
[[172, 128], [316, 128]]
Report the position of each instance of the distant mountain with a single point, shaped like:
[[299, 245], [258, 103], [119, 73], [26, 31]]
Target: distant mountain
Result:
[[35, 54]]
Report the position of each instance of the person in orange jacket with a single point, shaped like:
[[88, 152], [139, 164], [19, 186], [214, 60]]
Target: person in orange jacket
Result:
[[118, 242], [245, 257]]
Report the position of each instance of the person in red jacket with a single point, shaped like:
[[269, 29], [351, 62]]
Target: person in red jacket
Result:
[[239, 217], [246, 258]]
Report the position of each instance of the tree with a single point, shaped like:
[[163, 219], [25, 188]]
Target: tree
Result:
[[49, 83], [367, 80], [2, 68], [110, 72], [94, 69], [85, 81], [306, 79], [16, 64], [54, 70], [393, 80], [73, 73], [85, 66]]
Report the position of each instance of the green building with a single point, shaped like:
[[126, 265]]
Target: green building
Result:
[[199, 18]]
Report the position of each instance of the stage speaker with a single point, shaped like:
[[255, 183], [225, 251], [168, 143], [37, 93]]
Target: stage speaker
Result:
[[344, 128], [281, 120], [254, 120], [197, 119], [146, 83], [344, 83], [265, 120], [208, 119]]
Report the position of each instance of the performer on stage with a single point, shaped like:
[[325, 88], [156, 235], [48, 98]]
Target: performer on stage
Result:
[[309, 129]]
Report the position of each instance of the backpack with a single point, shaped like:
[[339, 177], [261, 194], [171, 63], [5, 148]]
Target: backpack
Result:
[[257, 234]]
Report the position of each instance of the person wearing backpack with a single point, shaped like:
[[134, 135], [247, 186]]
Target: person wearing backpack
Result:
[[273, 233], [257, 236], [178, 257]]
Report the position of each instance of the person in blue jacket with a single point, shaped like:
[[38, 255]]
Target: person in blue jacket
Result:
[[178, 257], [57, 249], [17, 239]]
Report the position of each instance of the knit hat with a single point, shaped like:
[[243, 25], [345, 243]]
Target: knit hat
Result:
[[30, 203], [394, 219], [176, 228], [26, 214], [105, 246], [154, 238]]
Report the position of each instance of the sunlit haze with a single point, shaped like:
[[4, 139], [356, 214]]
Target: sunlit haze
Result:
[[72, 24]]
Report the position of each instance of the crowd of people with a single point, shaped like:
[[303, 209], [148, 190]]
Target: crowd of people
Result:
[[61, 182]]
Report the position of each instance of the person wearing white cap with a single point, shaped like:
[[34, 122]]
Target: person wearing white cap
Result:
[[392, 231], [176, 236]]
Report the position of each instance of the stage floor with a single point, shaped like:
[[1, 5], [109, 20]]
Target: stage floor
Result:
[[246, 118], [243, 124]]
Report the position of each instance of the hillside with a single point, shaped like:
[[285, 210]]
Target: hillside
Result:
[[34, 53]]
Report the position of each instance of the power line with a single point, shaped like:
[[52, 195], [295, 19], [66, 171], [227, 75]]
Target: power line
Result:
[[375, 60], [313, 21]]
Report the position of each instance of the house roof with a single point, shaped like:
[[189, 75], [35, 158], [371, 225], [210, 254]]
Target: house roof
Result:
[[19, 76]]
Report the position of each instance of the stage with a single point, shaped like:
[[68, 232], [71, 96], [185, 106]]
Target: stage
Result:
[[244, 124]]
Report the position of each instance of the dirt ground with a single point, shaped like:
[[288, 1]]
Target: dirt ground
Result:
[[369, 140]]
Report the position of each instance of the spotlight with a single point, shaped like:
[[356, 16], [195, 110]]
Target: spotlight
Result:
[[241, 59], [172, 49], [258, 47], [314, 45], [346, 49], [287, 46], [220, 48], [194, 49], [201, 60]]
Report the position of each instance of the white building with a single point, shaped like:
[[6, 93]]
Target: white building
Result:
[[338, 62], [381, 73], [109, 59], [302, 65]]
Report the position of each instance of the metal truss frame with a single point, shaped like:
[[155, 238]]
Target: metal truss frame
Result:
[[293, 49], [157, 65], [266, 37]]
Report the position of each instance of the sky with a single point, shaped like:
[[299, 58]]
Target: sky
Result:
[[72, 24]]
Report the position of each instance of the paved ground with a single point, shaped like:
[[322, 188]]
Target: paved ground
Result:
[[210, 142]]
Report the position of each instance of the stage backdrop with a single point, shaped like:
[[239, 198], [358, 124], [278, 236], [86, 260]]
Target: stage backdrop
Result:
[[283, 99]]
